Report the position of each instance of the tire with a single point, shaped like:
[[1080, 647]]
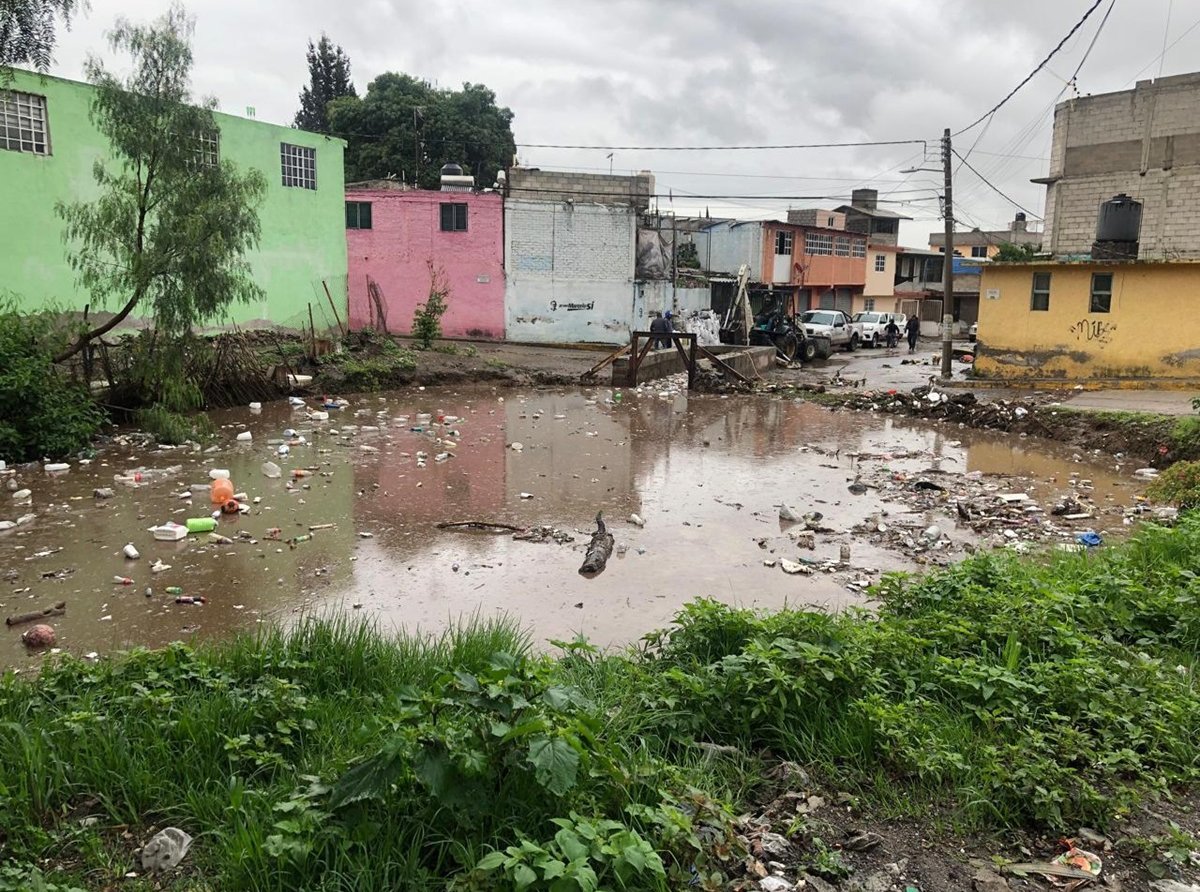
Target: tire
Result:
[[808, 350], [853, 344], [786, 346]]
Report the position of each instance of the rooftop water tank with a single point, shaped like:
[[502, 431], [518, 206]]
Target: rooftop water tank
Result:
[[1118, 229]]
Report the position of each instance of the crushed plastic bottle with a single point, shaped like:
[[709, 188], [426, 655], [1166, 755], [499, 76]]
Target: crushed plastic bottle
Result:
[[57, 467], [122, 580], [272, 470]]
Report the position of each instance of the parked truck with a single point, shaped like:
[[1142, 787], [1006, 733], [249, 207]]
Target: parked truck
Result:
[[834, 325]]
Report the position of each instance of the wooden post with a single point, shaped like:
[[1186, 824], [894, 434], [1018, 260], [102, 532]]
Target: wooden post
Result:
[[312, 335], [336, 317]]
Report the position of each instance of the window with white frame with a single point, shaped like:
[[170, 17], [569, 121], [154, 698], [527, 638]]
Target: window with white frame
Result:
[[880, 263], [23, 124], [783, 242], [979, 251], [299, 165], [868, 304], [841, 246], [829, 222], [208, 148], [858, 248], [818, 243]]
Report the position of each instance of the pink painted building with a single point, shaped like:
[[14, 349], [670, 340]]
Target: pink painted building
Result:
[[394, 237]]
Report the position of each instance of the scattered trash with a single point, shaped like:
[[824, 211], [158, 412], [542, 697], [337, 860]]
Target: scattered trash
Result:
[[857, 488], [789, 515], [218, 539], [165, 850], [57, 467], [201, 524], [245, 437], [792, 568], [219, 474], [1090, 538], [257, 407], [1146, 473], [517, 447], [283, 449], [272, 470], [22, 495], [191, 599], [131, 552], [526, 495], [636, 520], [102, 493], [39, 636], [174, 590], [122, 580], [159, 567]]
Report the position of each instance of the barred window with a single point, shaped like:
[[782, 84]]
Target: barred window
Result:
[[858, 248], [23, 125], [818, 243], [783, 242], [841, 247], [880, 263], [208, 148], [299, 166]]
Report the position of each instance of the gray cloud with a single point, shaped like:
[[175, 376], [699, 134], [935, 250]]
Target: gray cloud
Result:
[[653, 72]]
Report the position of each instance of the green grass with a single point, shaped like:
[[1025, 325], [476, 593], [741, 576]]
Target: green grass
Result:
[[1004, 692]]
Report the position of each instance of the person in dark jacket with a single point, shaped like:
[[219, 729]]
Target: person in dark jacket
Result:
[[892, 334], [661, 324], [912, 328]]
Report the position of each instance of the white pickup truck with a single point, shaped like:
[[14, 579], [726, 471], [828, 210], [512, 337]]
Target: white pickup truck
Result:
[[835, 325]]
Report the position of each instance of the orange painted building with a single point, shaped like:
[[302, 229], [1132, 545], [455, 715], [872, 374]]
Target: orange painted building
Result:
[[823, 268]]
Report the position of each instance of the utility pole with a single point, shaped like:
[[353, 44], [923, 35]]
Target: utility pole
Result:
[[948, 263]]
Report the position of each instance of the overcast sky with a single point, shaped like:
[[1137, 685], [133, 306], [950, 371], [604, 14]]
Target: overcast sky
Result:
[[715, 72]]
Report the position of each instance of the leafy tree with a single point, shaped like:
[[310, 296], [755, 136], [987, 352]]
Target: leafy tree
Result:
[[27, 30], [405, 128], [173, 222], [329, 75], [1010, 252]]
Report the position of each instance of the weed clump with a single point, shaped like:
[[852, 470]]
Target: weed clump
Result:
[[1178, 485], [43, 412]]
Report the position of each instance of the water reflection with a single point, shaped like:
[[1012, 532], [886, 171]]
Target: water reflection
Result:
[[706, 473]]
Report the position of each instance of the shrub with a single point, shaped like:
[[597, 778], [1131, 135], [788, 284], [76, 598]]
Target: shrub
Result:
[[43, 413], [427, 318], [1178, 485]]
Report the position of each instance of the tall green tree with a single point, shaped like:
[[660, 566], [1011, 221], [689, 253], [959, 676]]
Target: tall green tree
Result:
[[170, 231], [329, 79], [27, 30], [405, 128]]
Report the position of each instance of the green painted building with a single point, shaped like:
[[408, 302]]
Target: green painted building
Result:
[[48, 146]]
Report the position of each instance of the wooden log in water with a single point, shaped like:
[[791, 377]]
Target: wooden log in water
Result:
[[18, 619], [599, 550]]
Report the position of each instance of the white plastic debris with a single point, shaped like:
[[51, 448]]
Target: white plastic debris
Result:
[[272, 470], [245, 437], [219, 474], [22, 495], [636, 520], [56, 467], [283, 449], [1146, 473], [789, 514], [517, 447], [793, 568], [131, 552], [256, 407], [165, 850], [527, 495], [1020, 411]]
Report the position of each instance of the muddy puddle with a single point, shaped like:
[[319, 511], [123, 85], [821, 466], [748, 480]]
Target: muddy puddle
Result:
[[706, 474]]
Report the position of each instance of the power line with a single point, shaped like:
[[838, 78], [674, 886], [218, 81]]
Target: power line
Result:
[[993, 187], [1031, 74], [817, 145], [1189, 30], [1162, 58]]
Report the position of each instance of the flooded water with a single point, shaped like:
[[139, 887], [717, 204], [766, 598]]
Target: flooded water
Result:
[[707, 475]]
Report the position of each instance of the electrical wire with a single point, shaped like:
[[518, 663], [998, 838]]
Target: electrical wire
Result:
[[1031, 74], [1162, 57], [818, 145], [994, 188], [1189, 30]]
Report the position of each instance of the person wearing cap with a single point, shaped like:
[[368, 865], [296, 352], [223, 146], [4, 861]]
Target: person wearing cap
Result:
[[661, 324]]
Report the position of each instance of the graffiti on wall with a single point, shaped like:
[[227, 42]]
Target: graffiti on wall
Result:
[[555, 305], [1093, 330]]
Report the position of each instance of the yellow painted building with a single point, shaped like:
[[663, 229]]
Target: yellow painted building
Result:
[[1079, 321]]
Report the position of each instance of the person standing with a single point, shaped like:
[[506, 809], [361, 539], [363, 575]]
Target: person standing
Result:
[[912, 328], [892, 333], [661, 324]]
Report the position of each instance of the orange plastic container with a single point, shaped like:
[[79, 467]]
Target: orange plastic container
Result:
[[222, 491]]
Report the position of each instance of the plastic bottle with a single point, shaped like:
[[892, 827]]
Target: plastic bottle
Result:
[[201, 524], [57, 466], [191, 599], [174, 590], [122, 580], [132, 479], [301, 472], [272, 470], [221, 491]]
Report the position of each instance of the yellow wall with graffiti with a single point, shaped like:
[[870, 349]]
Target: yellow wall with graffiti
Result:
[[1151, 329]]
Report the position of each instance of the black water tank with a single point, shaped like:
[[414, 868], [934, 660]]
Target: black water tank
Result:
[[1120, 220], [452, 170]]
